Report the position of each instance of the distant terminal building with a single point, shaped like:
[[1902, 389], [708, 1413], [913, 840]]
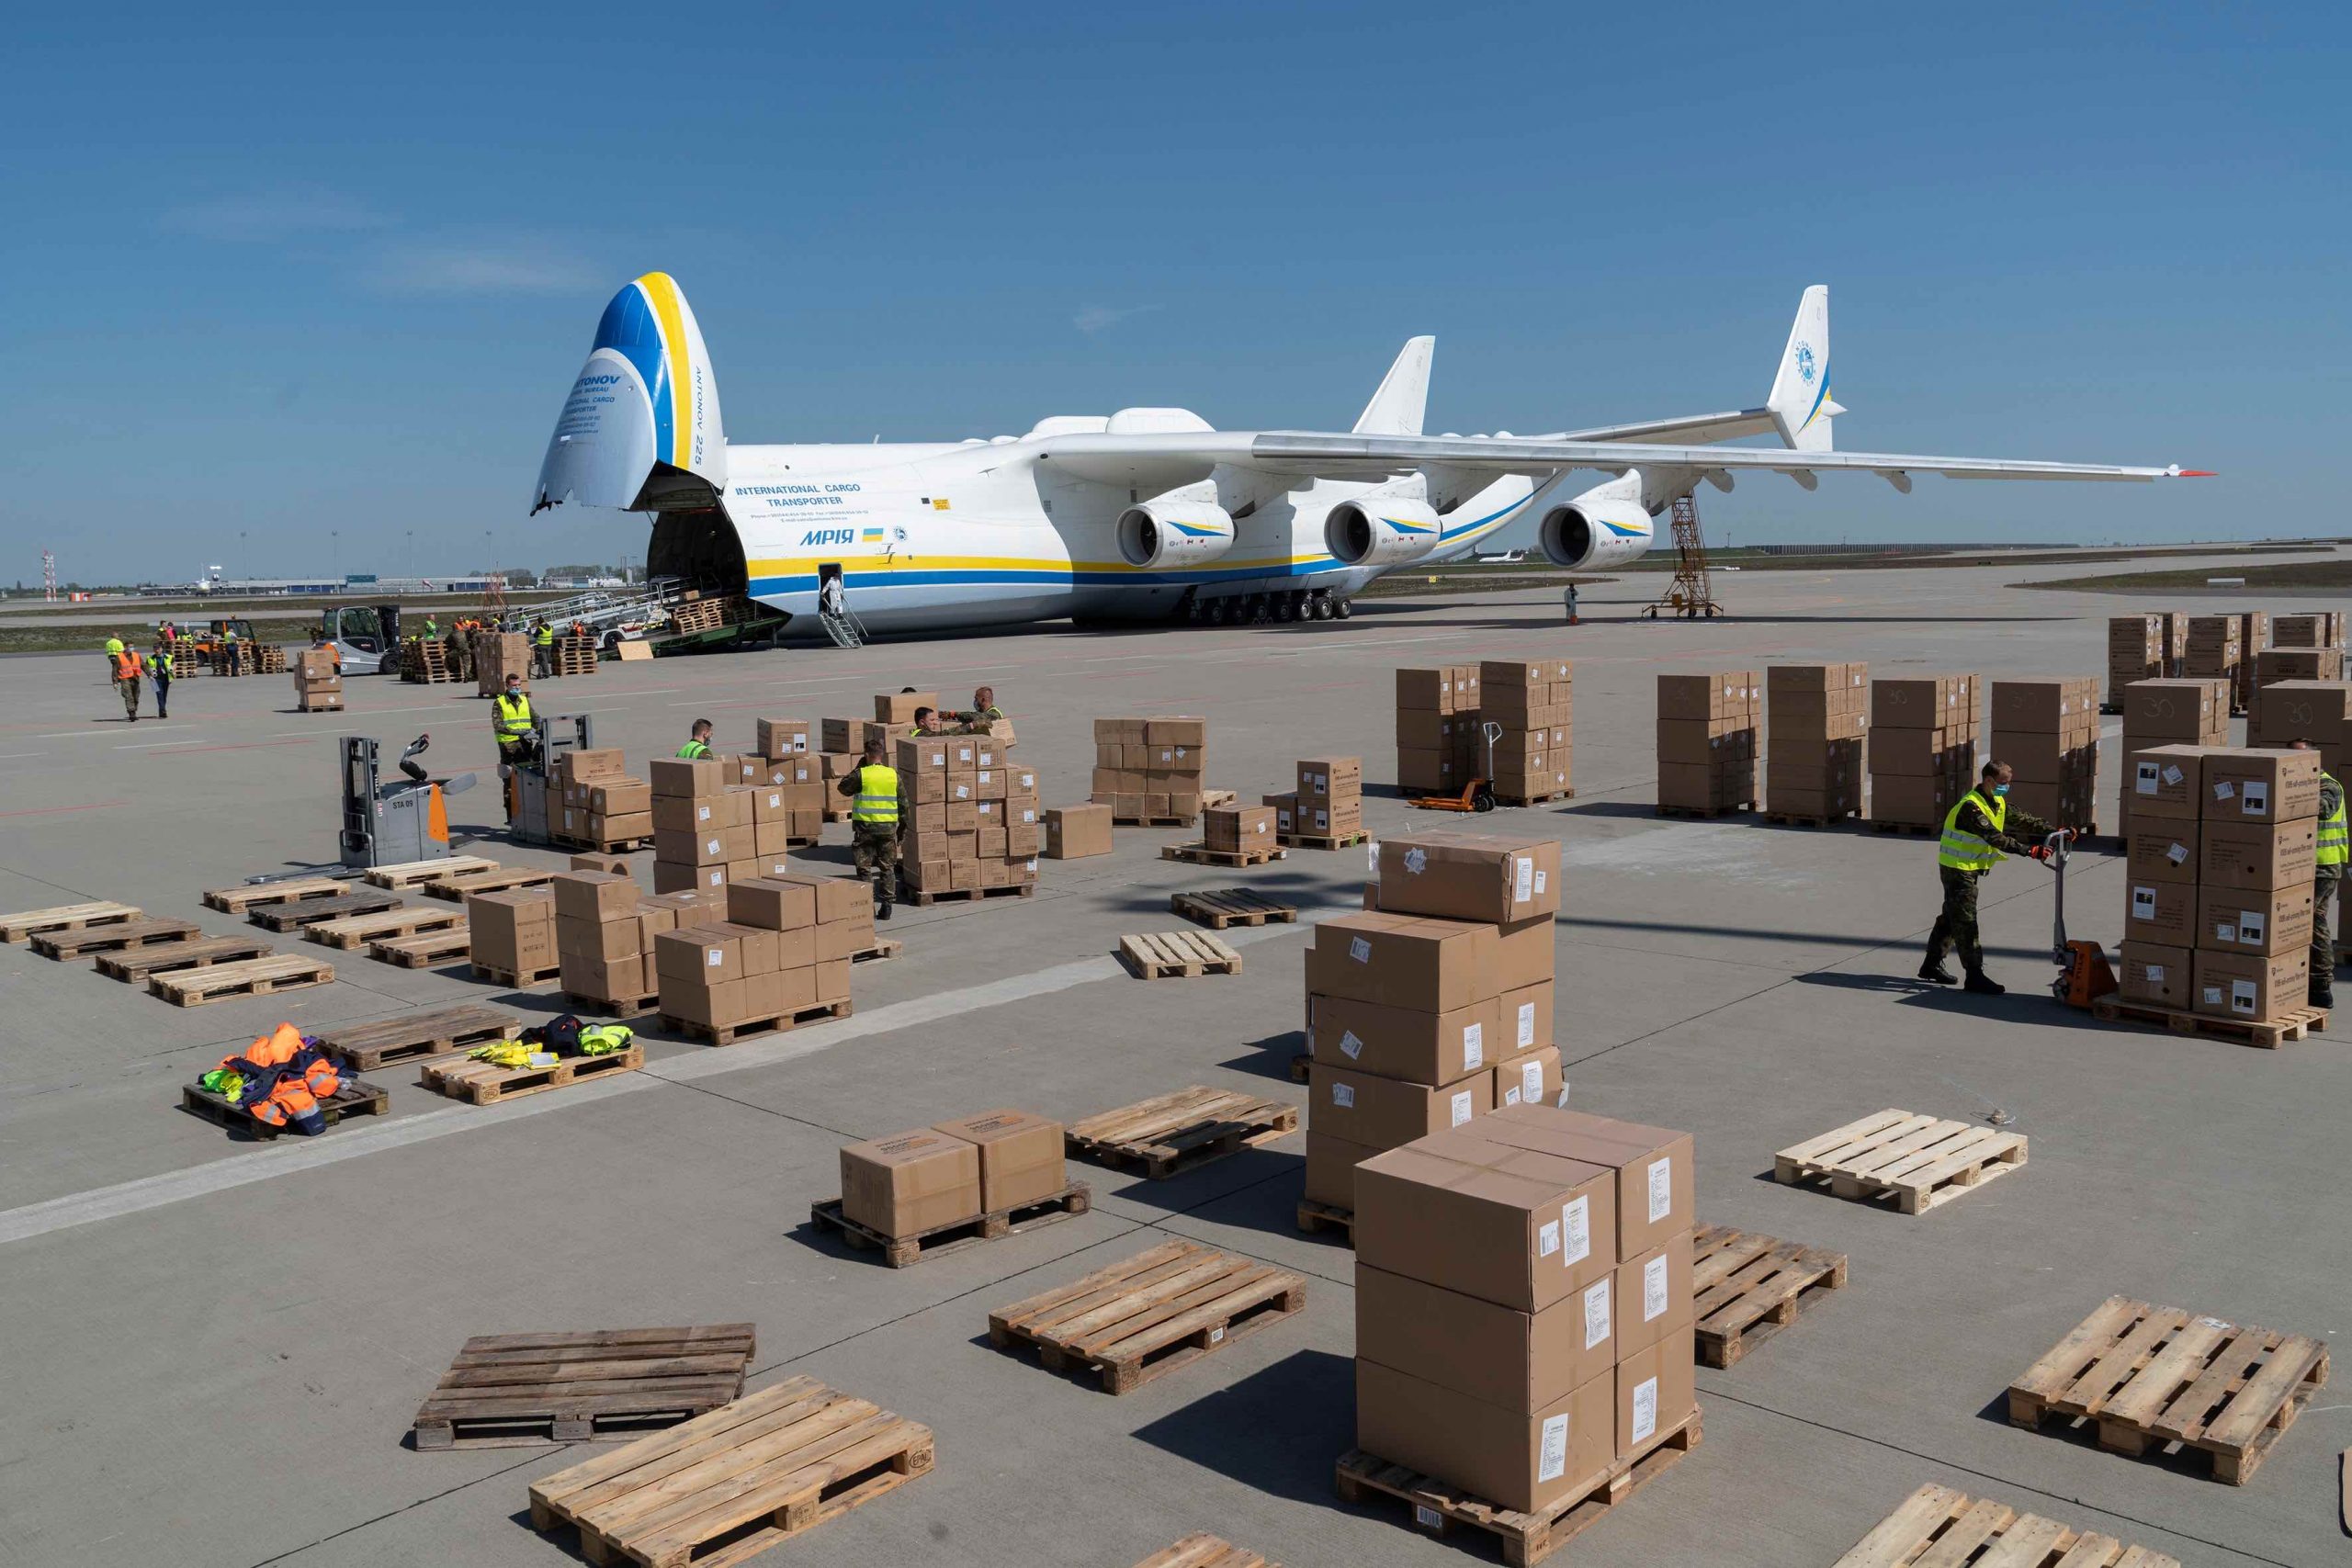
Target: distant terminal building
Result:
[[320, 586]]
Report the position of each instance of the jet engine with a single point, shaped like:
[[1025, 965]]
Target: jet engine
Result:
[[1605, 526], [1380, 530], [1166, 533]]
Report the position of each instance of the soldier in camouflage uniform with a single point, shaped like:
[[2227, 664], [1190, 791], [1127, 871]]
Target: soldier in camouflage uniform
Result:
[[876, 820], [1977, 833]]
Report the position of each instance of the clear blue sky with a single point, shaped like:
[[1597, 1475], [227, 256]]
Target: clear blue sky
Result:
[[279, 272]]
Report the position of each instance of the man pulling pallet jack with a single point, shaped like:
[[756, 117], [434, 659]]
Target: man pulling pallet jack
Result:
[[1979, 829]]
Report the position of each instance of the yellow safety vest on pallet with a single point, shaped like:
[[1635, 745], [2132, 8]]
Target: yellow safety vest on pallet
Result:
[[878, 795], [1963, 850], [2334, 850], [511, 721]]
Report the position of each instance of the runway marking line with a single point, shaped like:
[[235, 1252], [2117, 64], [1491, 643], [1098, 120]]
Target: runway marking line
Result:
[[46, 811]]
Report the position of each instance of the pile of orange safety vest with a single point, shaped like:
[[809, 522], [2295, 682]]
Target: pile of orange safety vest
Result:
[[285, 1078]]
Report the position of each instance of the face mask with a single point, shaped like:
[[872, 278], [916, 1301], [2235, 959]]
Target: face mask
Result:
[[2000, 789]]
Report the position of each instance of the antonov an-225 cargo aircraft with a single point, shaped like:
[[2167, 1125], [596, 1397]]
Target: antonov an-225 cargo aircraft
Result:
[[1148, 512]]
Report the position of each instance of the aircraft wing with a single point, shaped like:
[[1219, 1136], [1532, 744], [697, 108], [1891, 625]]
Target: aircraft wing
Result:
[[1695, 429]]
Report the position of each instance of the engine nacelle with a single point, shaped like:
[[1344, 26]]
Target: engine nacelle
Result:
[[1380, 530], [1163, 533], [1605, 526]]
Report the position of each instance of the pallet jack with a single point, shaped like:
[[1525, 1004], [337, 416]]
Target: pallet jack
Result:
[[2084, 974], [1478, 795], [390, 824]]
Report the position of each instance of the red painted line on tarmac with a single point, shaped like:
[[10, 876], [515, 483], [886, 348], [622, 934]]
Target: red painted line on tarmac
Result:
[[248, 745], [47, 811]]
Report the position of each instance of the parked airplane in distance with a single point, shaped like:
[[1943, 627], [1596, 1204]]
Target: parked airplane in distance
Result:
[[1149, 513]]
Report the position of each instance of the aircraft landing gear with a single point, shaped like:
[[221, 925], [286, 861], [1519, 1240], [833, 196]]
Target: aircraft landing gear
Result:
[[1318, 605], [1214, 614], [1344, 609]]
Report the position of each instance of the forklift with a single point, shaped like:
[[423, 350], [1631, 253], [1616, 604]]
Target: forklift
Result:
[[391, 824], [367, 637]]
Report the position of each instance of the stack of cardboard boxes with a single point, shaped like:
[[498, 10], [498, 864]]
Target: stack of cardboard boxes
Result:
[[1326, 804], [784, 948], [1436, 1006], [1533, 703], [2320, 713], [1074, 832], [932, 1178], [843, 742], [1707, 740], [785, 767], [604, 930], [2136, 651], [2176, 642], [976, 822], [1439, 751], [1923, 747], [595, 802], [512, 935], [1819, 719], [1149, 770], [2167, 713], [2047, 731], [707, 829], [498, 655], [2216, 650], [1524, 1302], [2285, 663], [2323, 629], [318, 681], [2221, 878], [2254, 637]]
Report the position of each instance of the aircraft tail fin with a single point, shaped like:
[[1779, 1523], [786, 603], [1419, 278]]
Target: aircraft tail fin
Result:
[[1800, 404], [1403, 401], [641, 428]]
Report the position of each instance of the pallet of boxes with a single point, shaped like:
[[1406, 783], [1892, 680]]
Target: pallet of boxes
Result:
[[1817, 720], [2047, 731], [977, 829], [781, 956], [1325, 811], [1430, 1010], [1524, 1314], [2135, 652], [604, 931], [2254, 637], [594, 803], [318, 681], [1923, 749], [1154, 780], [786, 775], [1528, 706], [707, 825], [2219, 888], [1438, 745], [498, 655], [1708, 742], [2319, 712], [2216, 653], [2303, 648], [841, 745], [2166, 713]]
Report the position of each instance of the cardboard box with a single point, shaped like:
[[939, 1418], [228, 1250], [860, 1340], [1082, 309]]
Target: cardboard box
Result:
[[1330, 778], [1021, 1157], [621, 938], [2155, 973], [910, 1182], [1236, 828], [706, 955], [1383, 1113], [513, 931], [1518, 1227], [1721, 694], [1533, 1078], [1520, 1360], [778, 904], [618, 978], [1470, 876], [1526, 1018], [687, 776], [1655, 1391], [781, 736], [594, 896], [2251, 988], [2173, 709], [2165, 781], [2163, 850], [1331, 1168], [686, 908], [1520, 1459], [1654, 1295], [1655, 1182], [617, 864], [1404, 960], [2265, 921], [2160, 912], [898, 707], [714, 1005], [2258, 854], [2261, 787], [1401, 1043]]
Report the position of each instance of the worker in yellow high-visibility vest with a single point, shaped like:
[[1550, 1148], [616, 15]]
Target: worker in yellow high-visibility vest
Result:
[[876, 818], [1978, 829], [2334, 851]]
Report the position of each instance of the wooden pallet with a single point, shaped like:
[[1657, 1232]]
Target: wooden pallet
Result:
[[251, 894], [1545, 799], [485, 1083], [2150, 1377], [455, 888], [1526, 1537], [1747, 1288], [1705, 813], [364, 1047], [358, 931], [1191, 821], [1804, 819], [353, 1099], [1916, 830], [1163, 955], [1169, 1133], [1314, 1217], [615, 1007], [2291, 1025], [728, 1033], [1206, 1552], [1322, 840], [27, 923], [724, 1487], [1299, 1064], [1212, 799], [629, 845], [509, 1390], [883, 950], [1232, 907], [1201, 854], [1918, 1160], [513, 979], [137, 966], [1141, 1319], [905, 1251], [301, 912], [923, 898], [1938, 1524], [121, 936], [426, 948], [251, 977], [417, 873]]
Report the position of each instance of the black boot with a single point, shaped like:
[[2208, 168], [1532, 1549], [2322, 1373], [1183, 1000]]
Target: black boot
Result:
[[1935, 973], [882, 911], [2321, 996], [1983, 985]]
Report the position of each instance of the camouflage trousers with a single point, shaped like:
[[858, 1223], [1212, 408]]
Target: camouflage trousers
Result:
[[2323, 934], [875, 847], [1956, 925], [130, 690]]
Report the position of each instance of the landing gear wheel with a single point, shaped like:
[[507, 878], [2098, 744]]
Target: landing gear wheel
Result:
[[1215, 614], [1482, 798], [1343, 609], [1287, 610], [1319, 607], [1260, 610]]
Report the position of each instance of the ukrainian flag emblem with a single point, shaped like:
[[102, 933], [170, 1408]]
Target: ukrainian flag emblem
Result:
[[872, 535]]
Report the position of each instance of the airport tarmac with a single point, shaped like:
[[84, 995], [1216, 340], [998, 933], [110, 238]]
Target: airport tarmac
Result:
[[213, 1350]]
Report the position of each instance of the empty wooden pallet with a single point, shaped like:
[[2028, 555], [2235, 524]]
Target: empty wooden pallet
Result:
[[1204, 854], [1177, 954], [358, 931], [1173, 1133], [252, 895], [413, 1035], [486, 1083], [1226, 906], [249, 978], [417, 873], [1206, 1552], [1157, 1311], [140, 962], [118, 936], [455, 888], [295, 914], [425, 949], [27, 923], [1747, 1288], [526, 1390], [1938, 1524], [2150, 1377], [724, 1487], [1918, 1160]]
